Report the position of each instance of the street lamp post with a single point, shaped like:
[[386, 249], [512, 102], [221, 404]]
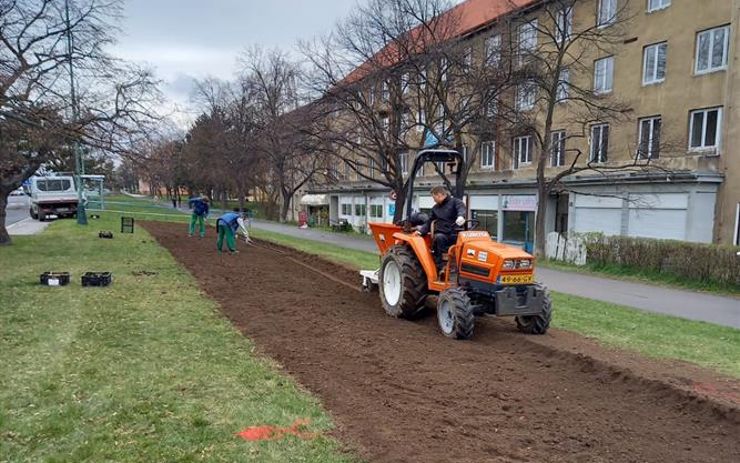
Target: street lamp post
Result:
[[79, 164]]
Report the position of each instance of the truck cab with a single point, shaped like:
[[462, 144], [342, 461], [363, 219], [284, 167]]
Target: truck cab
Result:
[[52, 195]]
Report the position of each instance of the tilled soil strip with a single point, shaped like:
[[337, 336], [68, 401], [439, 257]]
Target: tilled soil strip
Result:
[[400, 392]]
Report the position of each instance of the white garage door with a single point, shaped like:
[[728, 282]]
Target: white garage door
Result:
[[660, 216], [597, 214]]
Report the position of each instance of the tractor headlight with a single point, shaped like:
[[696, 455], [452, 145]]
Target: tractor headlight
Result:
[[509, 264], [525, 264]]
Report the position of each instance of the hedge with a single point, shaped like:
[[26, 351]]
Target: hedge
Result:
[[692, 261]]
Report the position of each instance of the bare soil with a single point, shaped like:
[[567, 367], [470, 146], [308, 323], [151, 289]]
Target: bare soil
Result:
[[401, 392]]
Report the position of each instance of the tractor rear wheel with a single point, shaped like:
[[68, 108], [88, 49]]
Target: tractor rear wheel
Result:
[[537, 324], [402, 283], [455, 314]]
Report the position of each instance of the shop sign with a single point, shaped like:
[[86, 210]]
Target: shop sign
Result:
[[520, 203]]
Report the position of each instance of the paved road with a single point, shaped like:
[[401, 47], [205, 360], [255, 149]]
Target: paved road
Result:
[[680, 303], [17, 209]]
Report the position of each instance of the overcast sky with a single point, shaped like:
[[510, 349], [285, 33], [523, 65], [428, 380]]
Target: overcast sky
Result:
[[187, 39]]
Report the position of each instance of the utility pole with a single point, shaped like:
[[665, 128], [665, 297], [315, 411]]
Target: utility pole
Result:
[[79, 164]]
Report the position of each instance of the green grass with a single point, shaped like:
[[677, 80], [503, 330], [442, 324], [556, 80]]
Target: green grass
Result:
[[654, 335], [643, 275], [340, 255], [146, 370]]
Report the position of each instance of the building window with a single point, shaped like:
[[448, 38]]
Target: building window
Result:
[[347, 171], [649, 142], [386, 124], [705, 129], [523, 147], [405, 79], [376, 211], [557, 148], [604, 75], [360, 210], [468, 58], [404, 159], [371, 95], [712, 48], [346, 209], [607, 13], [654, 63], [443, 69], [563, 86], [371, 168], [407, 121], [493, 50], [525, 96], [565, 24], [488, 155], [465, 154], [422, 119], [385, 91], [527, 39], [599, 143], [654, 5]]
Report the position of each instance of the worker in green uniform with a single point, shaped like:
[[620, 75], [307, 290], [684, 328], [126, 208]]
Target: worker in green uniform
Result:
[[228, 226], [199, 215]]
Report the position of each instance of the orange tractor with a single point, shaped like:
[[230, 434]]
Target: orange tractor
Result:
[[480, 276]]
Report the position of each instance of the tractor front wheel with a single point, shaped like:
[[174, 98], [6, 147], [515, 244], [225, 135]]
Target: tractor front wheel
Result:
[[455, 314], [537, 324], [402, 283]]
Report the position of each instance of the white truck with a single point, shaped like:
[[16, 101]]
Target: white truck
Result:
[[52, 195]]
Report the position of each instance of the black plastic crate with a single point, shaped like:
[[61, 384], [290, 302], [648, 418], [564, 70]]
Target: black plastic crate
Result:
[[108, 235], [54, 278], [127, 224], [96, 278]]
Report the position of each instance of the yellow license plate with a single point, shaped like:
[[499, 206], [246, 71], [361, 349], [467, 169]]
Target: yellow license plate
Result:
[[517, 279]]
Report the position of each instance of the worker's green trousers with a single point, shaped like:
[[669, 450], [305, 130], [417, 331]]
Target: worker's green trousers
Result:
[[201, 222], [225, 231]]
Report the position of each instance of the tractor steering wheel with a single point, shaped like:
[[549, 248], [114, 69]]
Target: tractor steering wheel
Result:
[[471, 224]]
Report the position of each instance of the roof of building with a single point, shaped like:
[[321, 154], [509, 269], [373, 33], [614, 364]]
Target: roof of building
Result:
[[469, 16]]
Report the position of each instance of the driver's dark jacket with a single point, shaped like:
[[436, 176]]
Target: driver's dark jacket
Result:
[[445, 214]]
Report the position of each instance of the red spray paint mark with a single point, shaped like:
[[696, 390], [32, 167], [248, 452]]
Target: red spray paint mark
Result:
[[269, 432]]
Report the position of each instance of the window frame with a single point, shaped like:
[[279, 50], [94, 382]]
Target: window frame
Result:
[[654, 79], [718, 135], [651, 153], [603, 156], [493, 50], [663, 6], [561, 138], [531, 94], [564, 31], [606, 22], [521, 39], [725, 50], [608, 76], [563, 89], [529, 143], [483, 155]]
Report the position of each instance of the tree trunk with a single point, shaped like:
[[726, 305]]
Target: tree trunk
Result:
[[284, 208], [240, 192], [539, 223], [400, 204], [4, 236]]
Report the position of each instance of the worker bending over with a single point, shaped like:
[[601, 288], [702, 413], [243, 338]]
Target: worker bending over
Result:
[[448, 214], [228, 226], [199, 215]]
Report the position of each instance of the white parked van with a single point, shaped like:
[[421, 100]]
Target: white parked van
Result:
[[53, 195]]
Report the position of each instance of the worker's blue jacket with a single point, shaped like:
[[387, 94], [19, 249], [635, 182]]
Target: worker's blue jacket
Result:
[[230, 219], [200, 207]]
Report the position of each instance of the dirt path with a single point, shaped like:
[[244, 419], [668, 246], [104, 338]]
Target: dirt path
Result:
[[400, 392]]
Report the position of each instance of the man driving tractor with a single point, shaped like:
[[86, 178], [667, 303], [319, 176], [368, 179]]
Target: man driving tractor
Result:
[[447, 214]]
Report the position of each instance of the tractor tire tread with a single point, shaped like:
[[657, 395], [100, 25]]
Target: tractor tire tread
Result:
[[537, 324], [414, 284], [464, 312]]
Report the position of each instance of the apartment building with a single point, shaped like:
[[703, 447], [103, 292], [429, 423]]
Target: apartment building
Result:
[[674, 70]]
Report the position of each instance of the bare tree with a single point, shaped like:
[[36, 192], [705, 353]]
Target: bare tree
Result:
[[40, 43], [289, 154], [397, 76]]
